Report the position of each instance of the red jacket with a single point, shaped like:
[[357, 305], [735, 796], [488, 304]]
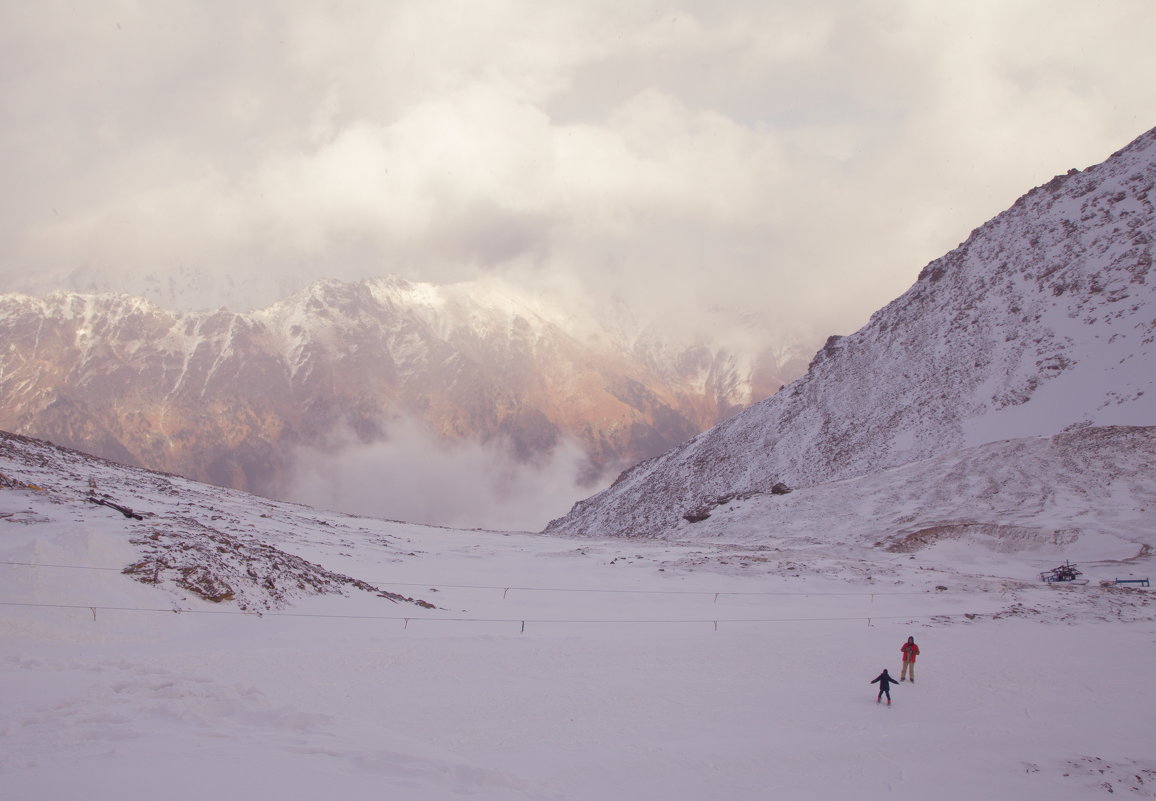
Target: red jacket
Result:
[[909, 650]]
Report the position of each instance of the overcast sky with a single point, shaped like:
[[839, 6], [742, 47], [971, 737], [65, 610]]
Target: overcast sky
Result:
[[798, 162]]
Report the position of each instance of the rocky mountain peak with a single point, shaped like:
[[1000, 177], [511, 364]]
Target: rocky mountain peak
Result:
[[229, 397], [1043, 320]]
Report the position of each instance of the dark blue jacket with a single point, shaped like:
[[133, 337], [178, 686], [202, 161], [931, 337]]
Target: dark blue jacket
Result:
[[885, 681]]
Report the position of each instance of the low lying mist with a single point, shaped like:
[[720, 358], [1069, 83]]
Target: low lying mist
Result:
[[417, 477]]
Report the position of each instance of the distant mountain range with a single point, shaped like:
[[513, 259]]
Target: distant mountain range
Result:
[[1042, 322], [226, 397]]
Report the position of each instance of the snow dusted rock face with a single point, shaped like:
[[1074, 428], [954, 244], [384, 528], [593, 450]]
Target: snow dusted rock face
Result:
[[188, 539], [1043, 320], [225, 397]]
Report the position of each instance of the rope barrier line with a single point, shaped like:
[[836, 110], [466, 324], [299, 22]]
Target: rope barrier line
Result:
[[506, 589], [714, 593], [406, 619], [66, 567]]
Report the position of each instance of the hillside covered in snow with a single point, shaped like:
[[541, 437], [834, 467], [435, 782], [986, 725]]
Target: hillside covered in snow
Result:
[[164, 636], [1042, 322]]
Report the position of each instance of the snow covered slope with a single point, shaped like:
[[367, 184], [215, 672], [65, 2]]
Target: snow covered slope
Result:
[[225, 646], [1044, 320], [189, 540], [1083, 494]]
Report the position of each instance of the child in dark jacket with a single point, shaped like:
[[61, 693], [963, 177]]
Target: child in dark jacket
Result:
[[885, 681]]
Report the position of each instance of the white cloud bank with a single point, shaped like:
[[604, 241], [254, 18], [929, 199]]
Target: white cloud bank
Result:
[[795, 163], [419, 477]]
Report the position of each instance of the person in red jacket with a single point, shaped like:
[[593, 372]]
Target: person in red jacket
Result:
[[909, 650]]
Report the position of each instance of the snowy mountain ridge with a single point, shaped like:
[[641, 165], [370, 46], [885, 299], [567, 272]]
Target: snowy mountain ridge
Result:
[[227, 397], [1043, 320]]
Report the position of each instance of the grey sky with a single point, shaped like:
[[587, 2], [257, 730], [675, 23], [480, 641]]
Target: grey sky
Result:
[[793, 162]]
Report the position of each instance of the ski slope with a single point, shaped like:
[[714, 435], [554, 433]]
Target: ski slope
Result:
[[550, 668]]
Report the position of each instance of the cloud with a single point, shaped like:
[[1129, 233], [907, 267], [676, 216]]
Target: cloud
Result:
[[793, 164], [418, 477]]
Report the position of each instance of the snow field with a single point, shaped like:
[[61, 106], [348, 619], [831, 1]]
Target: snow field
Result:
[[621, 686], [371, 705]]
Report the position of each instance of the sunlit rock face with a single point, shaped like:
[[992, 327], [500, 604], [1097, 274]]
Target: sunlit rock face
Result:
[[228, 397]]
